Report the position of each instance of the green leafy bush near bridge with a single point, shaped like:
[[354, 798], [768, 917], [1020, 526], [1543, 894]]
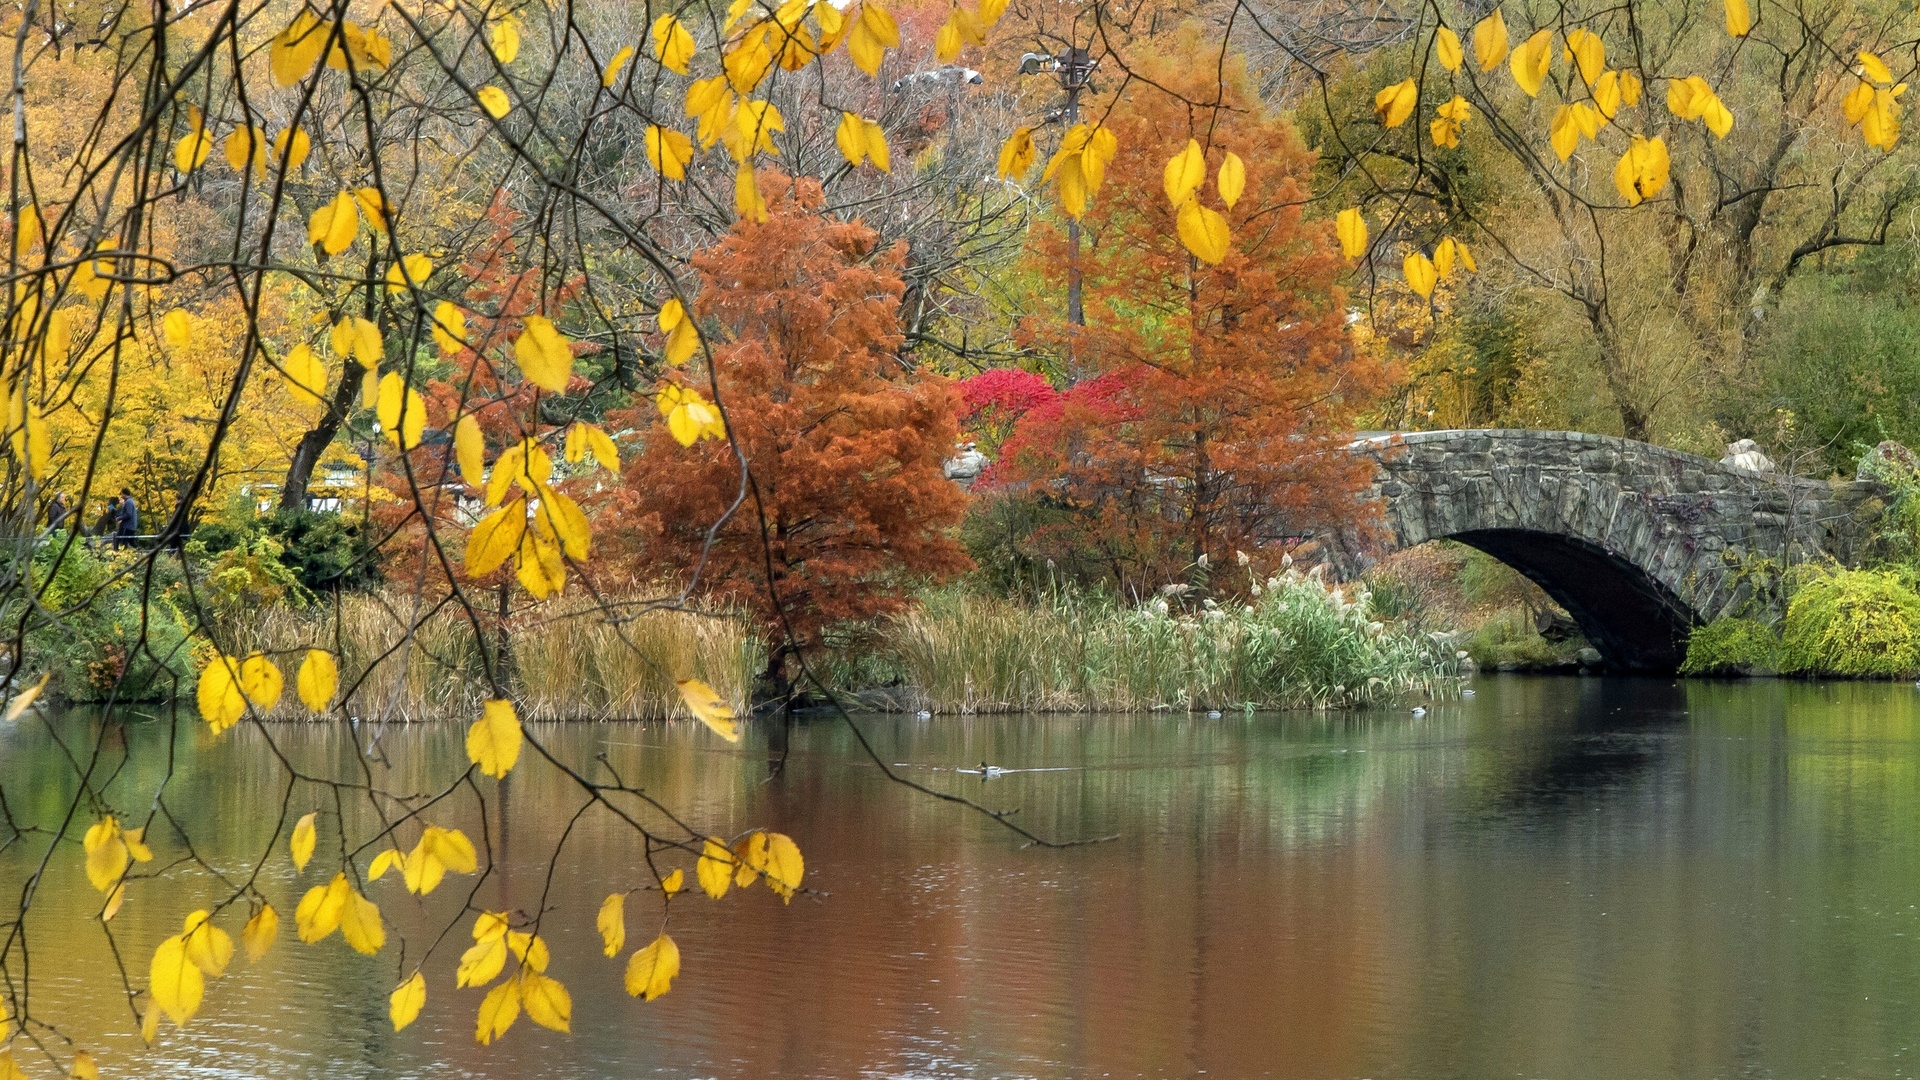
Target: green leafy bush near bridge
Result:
[[1732, 647], [1852, 622], [1860, 623]]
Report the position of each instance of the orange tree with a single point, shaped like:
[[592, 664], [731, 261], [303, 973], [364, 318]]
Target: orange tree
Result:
[[842, 503], [1222, 374]]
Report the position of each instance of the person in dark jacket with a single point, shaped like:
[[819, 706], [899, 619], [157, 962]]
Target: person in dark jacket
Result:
[[128, 525], [58, 511]]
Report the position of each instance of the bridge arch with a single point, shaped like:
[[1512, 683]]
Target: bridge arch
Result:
[[1639, 543]]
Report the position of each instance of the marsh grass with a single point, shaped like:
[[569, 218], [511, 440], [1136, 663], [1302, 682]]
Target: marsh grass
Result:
[[569, 659], [1296, 643]]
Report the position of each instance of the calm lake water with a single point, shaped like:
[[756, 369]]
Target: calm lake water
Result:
[[1553, 878]]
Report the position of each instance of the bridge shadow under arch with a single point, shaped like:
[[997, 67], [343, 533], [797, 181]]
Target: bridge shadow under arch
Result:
[[1632, 620]]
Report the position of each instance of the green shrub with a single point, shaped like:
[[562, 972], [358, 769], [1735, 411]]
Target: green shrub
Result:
[[94, 633], [322, 551], [1730, 646], [1852, 622]]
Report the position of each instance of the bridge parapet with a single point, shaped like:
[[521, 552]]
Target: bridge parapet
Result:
[[1640, 543]]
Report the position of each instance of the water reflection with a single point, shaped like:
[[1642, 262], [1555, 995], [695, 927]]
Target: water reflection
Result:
[[1555, 878]]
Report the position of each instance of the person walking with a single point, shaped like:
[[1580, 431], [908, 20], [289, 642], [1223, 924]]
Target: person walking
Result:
[[109, 521], [129, 519], [58, 512]]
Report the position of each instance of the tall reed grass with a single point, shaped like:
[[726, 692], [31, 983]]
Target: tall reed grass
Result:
[[1298, 642], [567, 660]]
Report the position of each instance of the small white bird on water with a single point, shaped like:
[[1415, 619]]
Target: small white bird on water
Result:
[[1419, 710]]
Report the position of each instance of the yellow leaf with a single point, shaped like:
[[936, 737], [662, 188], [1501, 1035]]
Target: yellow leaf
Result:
[[668, 151], [784, 867], [247, 144], [673, 46], [107, 855], [320, 910], [1016, 154], [108, 910], [334, 226], [710, 708], [498, 1010], [177, 328], [406, 1001], [1203, 231], [297, 49], [257, 936], [603, 449], [538, 567], [449, 328], [218, 694], [1857, 102], [305, 837], [1642, 170], [749, 858], [546, 1000], [9, 1068], [469, 449], [612, 923], [83, 1067], [192, 151], [387, 860], [850, 137], [1420, 274], [484, 960], [173, 982], [1465, 257], [1564, 133], [544, 355], [671, 884], [401, 411], [1739, 18], [494, 100], [1490, 41], [715, 868], [1184, 173], [1531, 61], [260, 681], [306, 375], [1874, 68], [651, 971], [410, 270], [506, 41], [496, 536], [1443, 257], [1395, 103], [946, 41], [360, 924], [991, 10], [1446, 45], [1232, 179], [150, 1022], [1629, 88], [493, 742], [611, 74], [1351, 228], [748, 203], [291, 147], [1587, 52], [319, 677], [209, 948]]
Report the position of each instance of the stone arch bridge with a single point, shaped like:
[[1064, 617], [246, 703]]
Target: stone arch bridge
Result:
[[1637, 542]]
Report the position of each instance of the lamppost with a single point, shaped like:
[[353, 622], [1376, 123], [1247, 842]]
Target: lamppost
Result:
[[1074, 68]]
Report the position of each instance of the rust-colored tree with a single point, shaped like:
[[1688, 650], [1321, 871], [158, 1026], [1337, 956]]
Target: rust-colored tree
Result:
[[1210, 394], [848, 503]]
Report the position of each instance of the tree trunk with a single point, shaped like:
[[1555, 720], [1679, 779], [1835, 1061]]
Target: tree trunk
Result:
[[306, 455]]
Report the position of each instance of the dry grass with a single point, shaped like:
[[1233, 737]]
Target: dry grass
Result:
[[568, 659]]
